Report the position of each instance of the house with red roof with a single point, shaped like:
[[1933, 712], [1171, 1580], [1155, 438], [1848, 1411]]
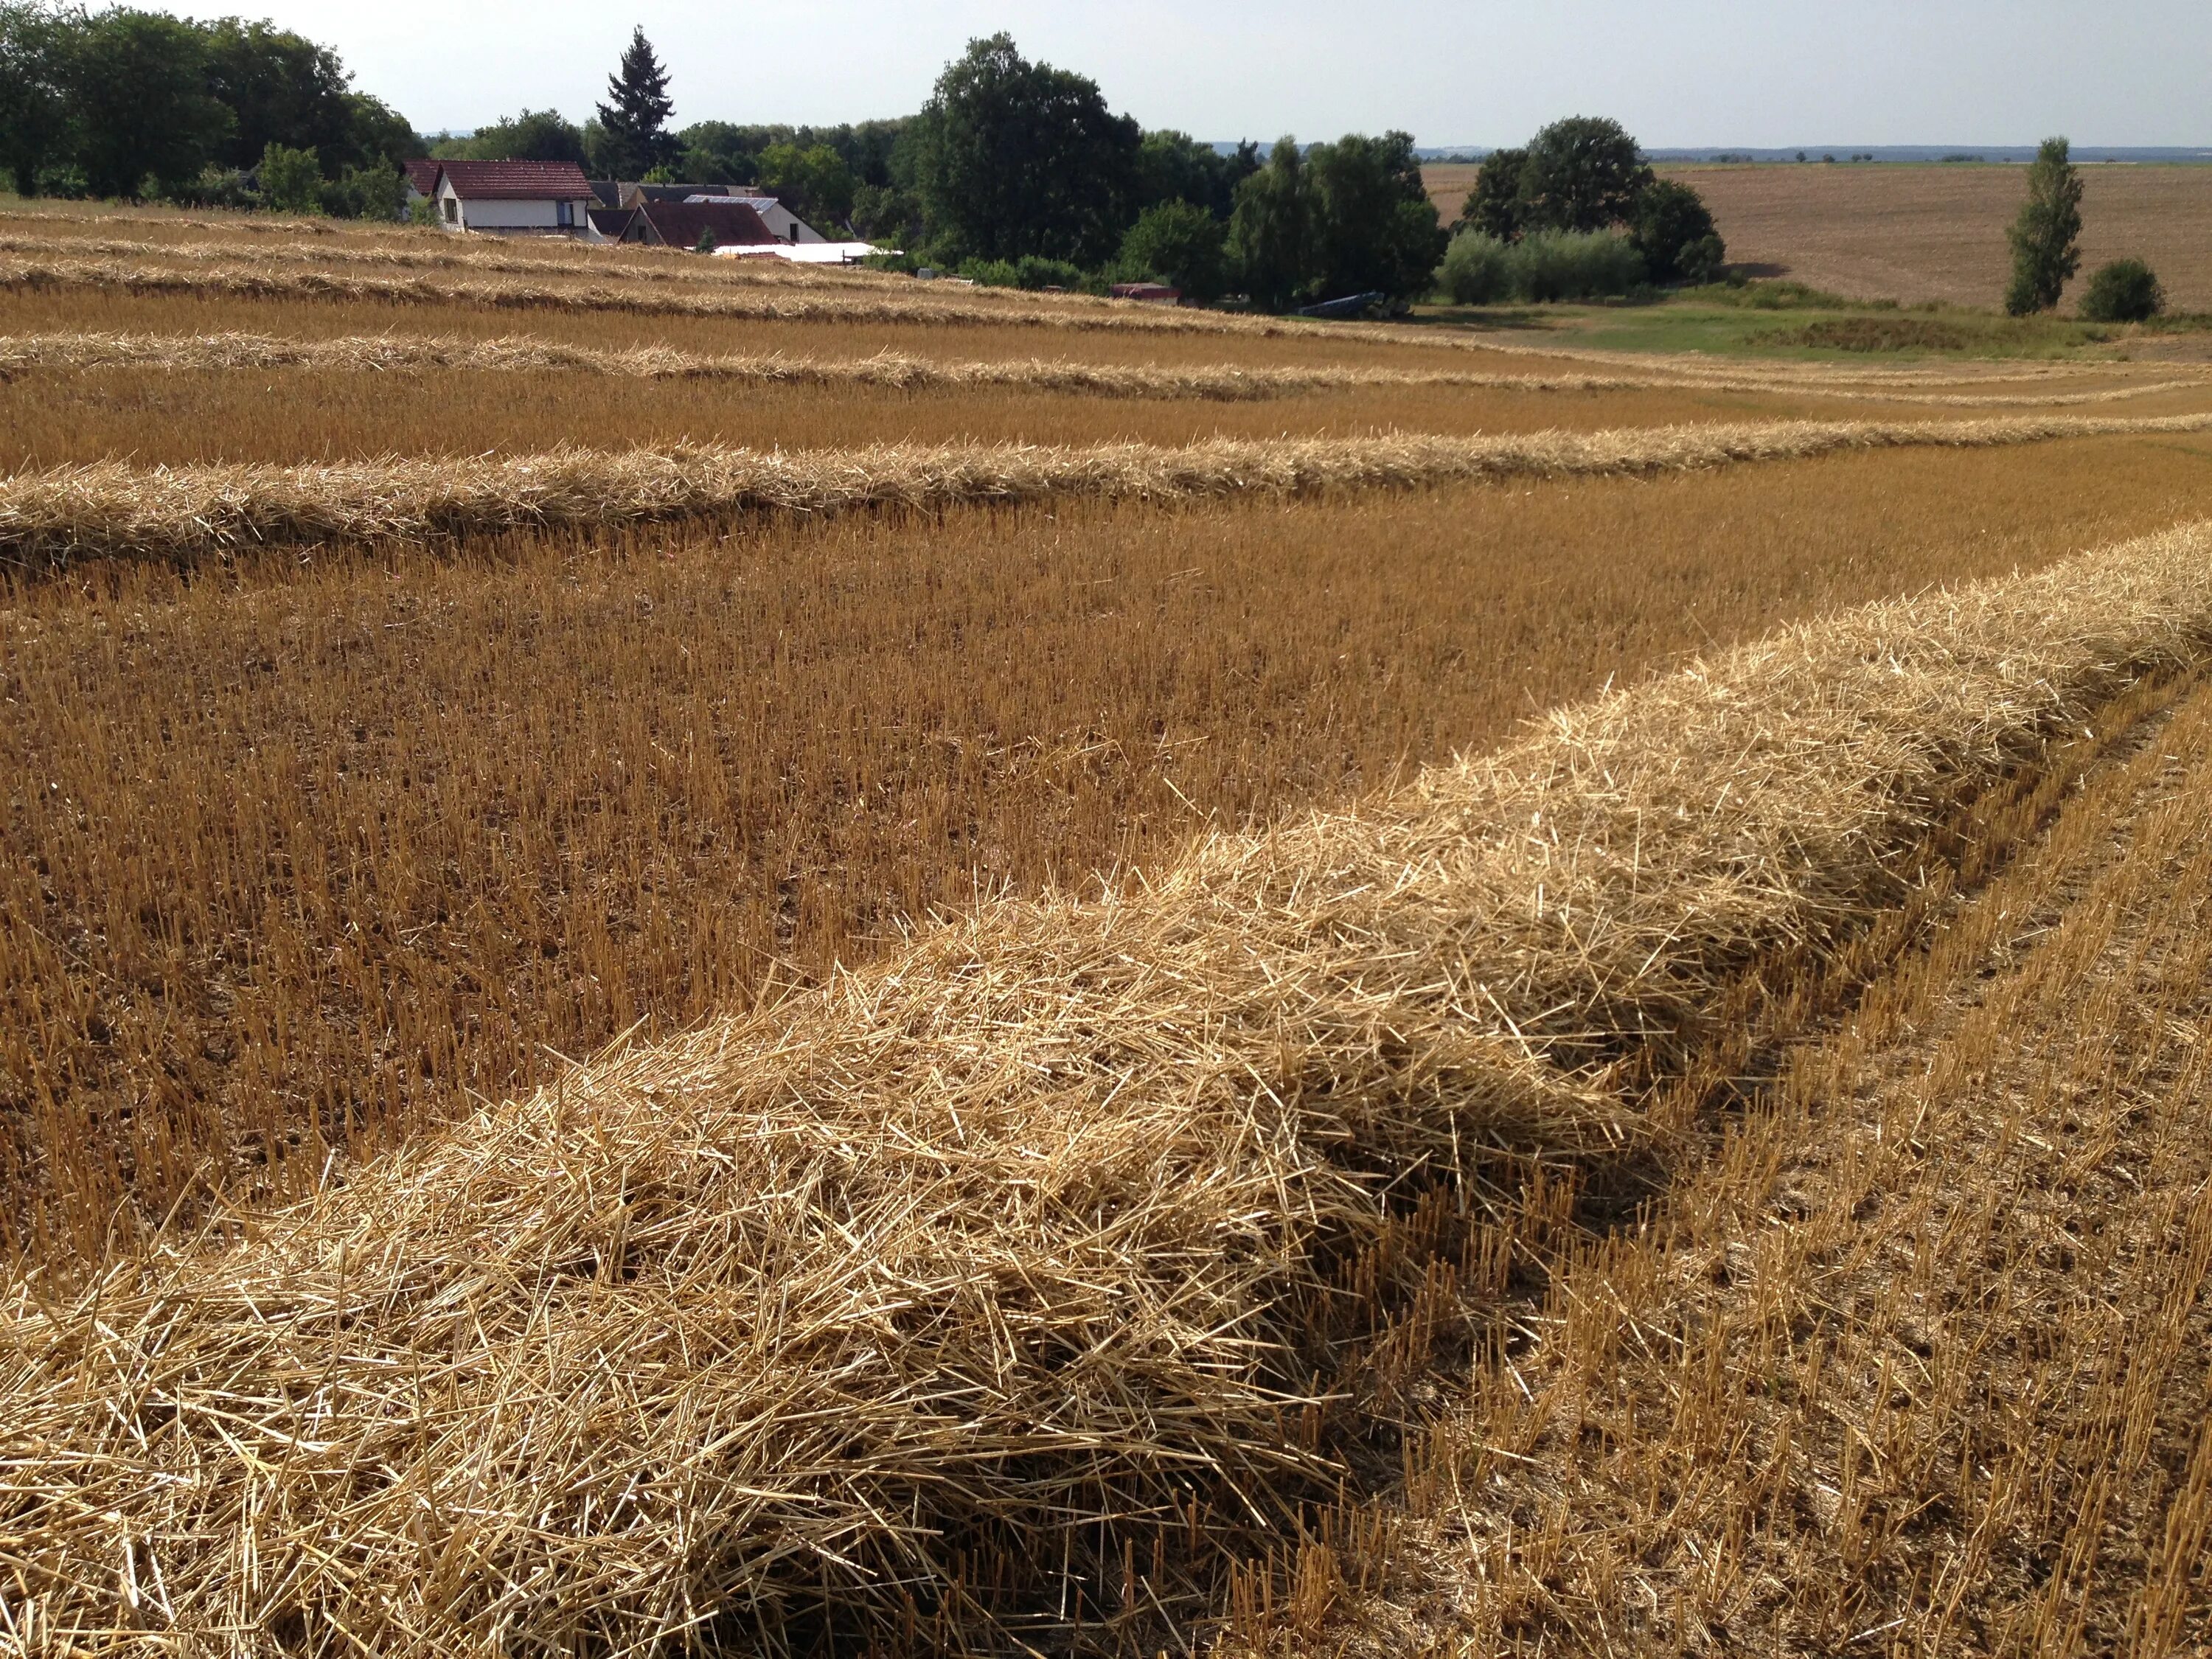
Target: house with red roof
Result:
[[684, 225], [513, 199]]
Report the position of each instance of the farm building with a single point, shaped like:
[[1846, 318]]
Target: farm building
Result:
[[786, 225], [805, 253], [514, 198], [682, 224]]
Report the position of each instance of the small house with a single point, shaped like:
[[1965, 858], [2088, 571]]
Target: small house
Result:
[[514, 198], [683, 224], [783, 224]]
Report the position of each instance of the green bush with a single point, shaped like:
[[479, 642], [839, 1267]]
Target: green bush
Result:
[[1179, 244], [1704, 260], [1031, 272], [2124, 291], [1543, 266], [217, 187], [1473, 272], [1673, 230], [1777, 296], [370, 192], [291, 180], [1571, 265]]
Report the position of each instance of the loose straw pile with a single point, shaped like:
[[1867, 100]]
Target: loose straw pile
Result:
[[187, 513], [931, 1294]]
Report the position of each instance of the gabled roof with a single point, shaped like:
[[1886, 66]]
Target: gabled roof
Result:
[[423, 173], [611, 222], [731, 224], [517, 181], [678, 192]]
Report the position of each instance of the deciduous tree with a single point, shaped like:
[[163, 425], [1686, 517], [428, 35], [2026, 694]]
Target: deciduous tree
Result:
[[1581, 173], [35, 104], [1178, 243], [814, 182], [1270, 233], [1372, 228], [1011, 159], [291, 180], [280, 89], [532, 134], [2046, 237], [1673, 230], [139, 84], [1493, 206], [1174, 166]]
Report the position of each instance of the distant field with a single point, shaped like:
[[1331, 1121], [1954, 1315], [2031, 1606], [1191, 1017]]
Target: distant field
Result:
[[1916, 234]]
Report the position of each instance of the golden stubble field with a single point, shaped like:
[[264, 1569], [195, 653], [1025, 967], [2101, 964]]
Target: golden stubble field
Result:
[[1211, 1066], [1936, 232]]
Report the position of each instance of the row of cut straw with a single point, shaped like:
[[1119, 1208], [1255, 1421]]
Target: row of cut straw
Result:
[[186, 513], [24, 354], [981, 1283]]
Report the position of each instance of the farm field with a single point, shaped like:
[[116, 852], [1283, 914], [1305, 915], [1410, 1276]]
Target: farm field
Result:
[[1917, 234], [767, 960]]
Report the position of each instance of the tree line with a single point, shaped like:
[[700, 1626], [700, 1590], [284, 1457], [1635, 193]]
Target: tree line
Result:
[[124, 102], [1020, 172], [1577, 213], [1014, 171]]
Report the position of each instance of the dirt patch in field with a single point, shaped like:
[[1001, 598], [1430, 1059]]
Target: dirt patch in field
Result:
[[1938, 233]]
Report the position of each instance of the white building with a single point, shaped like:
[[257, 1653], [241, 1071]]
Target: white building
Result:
[[805, 253], [514, 198]]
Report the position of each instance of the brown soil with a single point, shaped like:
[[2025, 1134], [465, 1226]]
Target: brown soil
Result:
[[1917, 234]]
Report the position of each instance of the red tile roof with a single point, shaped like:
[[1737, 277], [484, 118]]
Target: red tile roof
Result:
[[423, 175], [731, 223], [518, 181]]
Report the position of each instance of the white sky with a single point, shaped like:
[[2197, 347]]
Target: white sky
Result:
[[1830, 73]]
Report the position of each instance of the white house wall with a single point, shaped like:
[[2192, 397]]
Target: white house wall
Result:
[[537, 217]]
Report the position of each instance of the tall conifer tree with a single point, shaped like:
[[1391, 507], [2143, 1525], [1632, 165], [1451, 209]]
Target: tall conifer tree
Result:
[[634, 118]]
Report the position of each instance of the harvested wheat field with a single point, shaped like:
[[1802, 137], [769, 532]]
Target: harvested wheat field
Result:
[[1915, 233], [1922, 233], [696, 960]]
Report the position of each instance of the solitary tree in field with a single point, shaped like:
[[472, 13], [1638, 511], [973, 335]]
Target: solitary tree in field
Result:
[[634, 119], [2046, 237]]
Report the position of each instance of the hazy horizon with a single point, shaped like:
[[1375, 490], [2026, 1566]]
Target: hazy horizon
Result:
[[1700, 75]]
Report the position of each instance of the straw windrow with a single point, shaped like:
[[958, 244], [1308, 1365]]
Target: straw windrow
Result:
[[24, 354], [1013, 1248], [186, 513]]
